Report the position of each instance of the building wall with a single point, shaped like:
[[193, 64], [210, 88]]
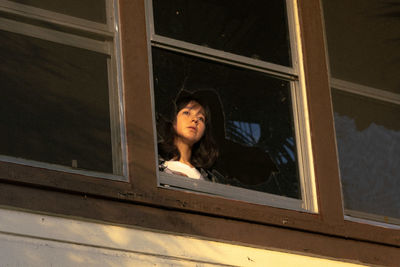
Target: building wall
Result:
[[29, 239]]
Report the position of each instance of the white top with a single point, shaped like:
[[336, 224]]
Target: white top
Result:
[[179, 168]]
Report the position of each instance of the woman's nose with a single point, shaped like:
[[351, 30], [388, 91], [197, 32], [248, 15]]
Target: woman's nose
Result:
[[195, 119]]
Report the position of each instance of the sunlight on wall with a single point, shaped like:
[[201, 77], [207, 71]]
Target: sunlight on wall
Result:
[[25, 240]]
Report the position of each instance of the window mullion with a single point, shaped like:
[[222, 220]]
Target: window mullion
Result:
[[293, 26], [57, 18], [54, 36], [111, 11], [365, 91], [319, 112], [116, 142], [224, 57]]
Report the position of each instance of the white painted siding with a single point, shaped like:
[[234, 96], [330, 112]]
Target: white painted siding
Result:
[[28, 239]]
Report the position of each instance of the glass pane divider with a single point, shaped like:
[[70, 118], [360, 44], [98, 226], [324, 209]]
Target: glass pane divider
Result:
[[116, 60], [56, 167], [301, 118], [55, 18], [374, 219], [304, 150], [150, 17], [224, 57], [367, 91], [111, 15], [54, 36], [114, 119], [227, 191], [294, 29]]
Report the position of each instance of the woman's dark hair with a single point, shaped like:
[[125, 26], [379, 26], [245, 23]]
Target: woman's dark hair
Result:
[[204, 152]]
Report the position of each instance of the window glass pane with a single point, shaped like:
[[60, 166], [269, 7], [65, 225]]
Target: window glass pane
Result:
[[252, 121], [94, 10], [54, 105], [363, 42], [251, 28], [368, 139]]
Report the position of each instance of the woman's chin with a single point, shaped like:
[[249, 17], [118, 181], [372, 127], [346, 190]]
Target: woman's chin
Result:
[[188, 139]]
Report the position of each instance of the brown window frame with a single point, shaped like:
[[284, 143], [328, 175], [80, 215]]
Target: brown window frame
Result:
[[140, 201]]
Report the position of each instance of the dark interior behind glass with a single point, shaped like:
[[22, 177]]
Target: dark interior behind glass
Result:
[[252, 28], [94, 10], [54, 104], [255, 128]]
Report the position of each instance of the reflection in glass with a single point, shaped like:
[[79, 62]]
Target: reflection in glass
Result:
[[368, 139], [54, 104], [94, 10], [244, 132], [254, 129], [252, 28], [364, 42]]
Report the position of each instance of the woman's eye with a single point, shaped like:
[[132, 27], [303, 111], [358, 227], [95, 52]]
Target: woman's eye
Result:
[[185, 112], [202, 119]]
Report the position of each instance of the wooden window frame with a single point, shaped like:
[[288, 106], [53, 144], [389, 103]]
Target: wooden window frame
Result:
[[140, 202], [293, 74]]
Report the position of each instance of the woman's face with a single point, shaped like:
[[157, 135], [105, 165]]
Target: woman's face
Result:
[[190, 123]]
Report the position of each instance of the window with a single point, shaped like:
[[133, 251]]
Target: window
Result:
[[61, 97], [247, 55], [364, 50], [274, 219]]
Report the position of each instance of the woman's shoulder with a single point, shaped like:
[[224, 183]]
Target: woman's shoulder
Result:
[[211, 175], [161, 163]]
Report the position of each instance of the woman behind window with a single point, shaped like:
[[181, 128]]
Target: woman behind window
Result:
[[188, 147]]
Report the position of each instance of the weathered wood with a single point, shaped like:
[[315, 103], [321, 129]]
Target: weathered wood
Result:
[[214, 228]]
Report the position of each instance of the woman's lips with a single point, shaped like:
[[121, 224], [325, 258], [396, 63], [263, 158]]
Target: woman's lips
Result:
[[192, 128]]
